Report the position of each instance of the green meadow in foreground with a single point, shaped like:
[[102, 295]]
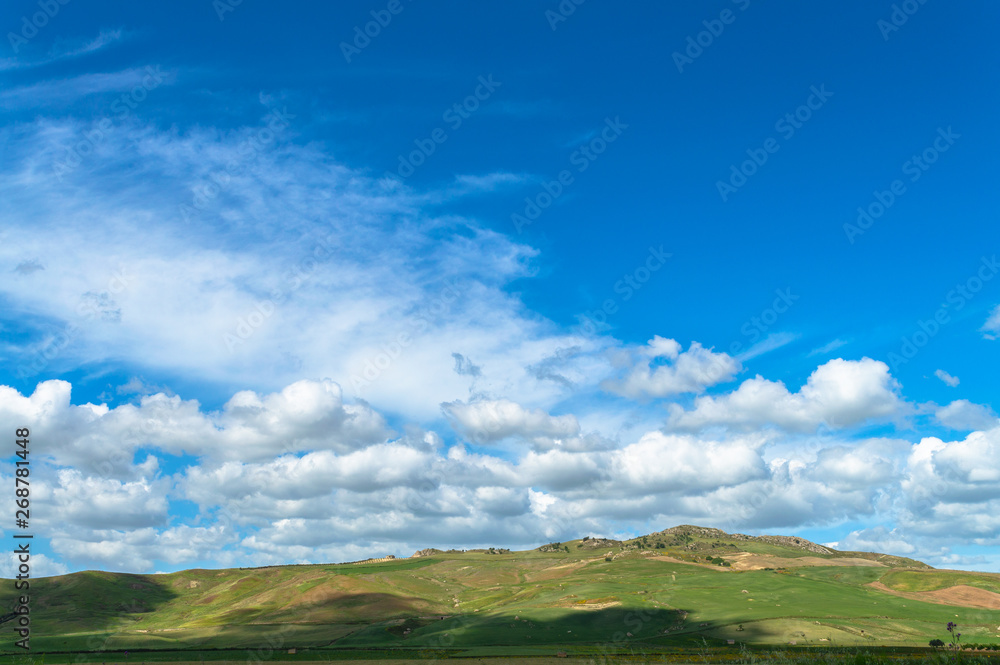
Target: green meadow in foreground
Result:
[[683, 593]]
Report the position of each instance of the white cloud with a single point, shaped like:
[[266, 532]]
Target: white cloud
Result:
[[61, 92], [952, 489], [102, 503], [127, 276], [306, 415], [66, 50], [866, 465], [136, 550], [839, 393], [493, 420], [41, 566], [689, 371], [685, 464], [311, 488], [766, 345], [246, 293], [832, 345], [946, 377], [991, 329], [964, 415], [877, 539]]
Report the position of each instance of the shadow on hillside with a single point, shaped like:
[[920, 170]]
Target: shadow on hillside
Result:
[[338, 607], [615, 628], [797, 631], [91, 601]]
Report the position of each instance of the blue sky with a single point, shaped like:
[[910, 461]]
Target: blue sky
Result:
[[277, 290]]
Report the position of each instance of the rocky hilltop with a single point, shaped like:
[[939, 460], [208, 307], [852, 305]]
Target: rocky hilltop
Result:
[[781, 541]]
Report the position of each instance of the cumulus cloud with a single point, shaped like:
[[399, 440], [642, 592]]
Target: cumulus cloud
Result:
[[952, 488], [684, 464], [103, 503], [964, 415], [870, 464], [300, 475], [41, 566], [137, 550], [839, 393], [877, 539], [660, 369], [488, 421], [306, 415], [946, 377]]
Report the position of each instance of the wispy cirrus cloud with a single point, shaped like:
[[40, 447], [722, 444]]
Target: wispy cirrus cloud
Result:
[[829, 347], [298, 257], [67, 50], [59, 93]]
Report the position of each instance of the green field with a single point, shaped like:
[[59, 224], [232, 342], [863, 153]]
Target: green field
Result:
[[669, 594]]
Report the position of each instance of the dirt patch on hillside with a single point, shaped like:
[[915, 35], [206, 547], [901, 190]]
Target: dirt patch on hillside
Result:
[[554, 572], [961, 595], [751, 561], [842, 561], [595, 606]]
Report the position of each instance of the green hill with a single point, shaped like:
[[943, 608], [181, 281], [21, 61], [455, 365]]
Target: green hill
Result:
[[673, 588]]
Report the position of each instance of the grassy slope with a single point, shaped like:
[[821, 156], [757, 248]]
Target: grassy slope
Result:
[[509, 601]]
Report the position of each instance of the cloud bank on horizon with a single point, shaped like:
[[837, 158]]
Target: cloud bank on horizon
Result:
[[338, 304]]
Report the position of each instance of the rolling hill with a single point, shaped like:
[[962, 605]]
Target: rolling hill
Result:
[[673, 588]]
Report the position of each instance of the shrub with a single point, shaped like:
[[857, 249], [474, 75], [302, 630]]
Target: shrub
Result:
[[936, 643]]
